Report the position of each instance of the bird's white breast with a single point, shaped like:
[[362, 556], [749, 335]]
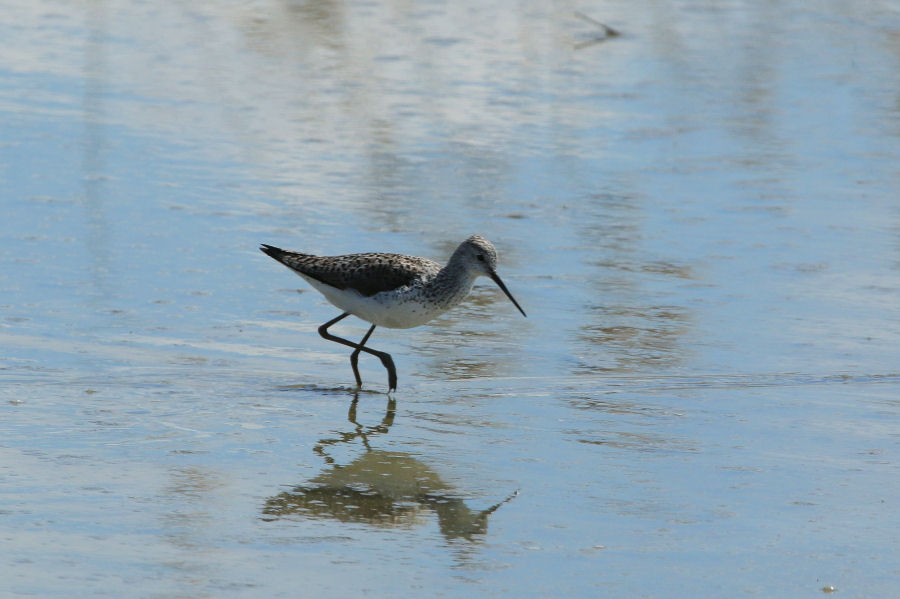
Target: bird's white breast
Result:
[[399, 309]]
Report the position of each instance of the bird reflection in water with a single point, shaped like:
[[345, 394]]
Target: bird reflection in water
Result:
[[381, 488]]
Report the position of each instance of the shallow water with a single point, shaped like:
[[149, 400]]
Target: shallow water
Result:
[[699, 215]]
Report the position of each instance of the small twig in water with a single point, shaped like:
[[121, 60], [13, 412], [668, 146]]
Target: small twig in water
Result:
[[609, 31]]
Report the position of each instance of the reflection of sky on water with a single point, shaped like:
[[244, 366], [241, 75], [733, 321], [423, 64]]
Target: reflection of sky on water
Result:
[[661, 204], [699, 217]]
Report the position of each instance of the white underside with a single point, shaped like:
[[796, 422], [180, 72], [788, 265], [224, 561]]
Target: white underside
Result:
[[394, 310]]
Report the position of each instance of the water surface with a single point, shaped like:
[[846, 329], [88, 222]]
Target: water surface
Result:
[[699, 216]]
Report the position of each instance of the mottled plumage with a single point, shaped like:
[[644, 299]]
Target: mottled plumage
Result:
[[368, 273], [392, 290]]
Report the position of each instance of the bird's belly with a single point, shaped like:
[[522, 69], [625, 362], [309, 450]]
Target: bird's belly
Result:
[[390, 310], [397, 314]]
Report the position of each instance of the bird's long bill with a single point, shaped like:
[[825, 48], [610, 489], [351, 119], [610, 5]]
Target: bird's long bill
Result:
[[500, 284]]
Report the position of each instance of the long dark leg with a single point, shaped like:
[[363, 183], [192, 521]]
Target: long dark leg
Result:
[[354, 357], [385, 357]]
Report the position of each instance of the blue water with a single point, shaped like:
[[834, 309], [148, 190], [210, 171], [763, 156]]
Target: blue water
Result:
[[698, 215]]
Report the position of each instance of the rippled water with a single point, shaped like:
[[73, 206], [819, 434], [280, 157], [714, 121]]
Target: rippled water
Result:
[[699, 214]]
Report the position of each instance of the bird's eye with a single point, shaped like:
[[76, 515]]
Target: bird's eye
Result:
[[480, 257]]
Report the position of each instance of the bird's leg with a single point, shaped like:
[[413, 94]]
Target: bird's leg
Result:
[[385, 357], [354, 357]]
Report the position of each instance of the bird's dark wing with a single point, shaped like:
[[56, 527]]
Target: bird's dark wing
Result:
[[367, 273]]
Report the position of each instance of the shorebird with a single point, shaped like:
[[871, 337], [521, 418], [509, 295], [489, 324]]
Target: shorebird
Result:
[[392, 290]]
